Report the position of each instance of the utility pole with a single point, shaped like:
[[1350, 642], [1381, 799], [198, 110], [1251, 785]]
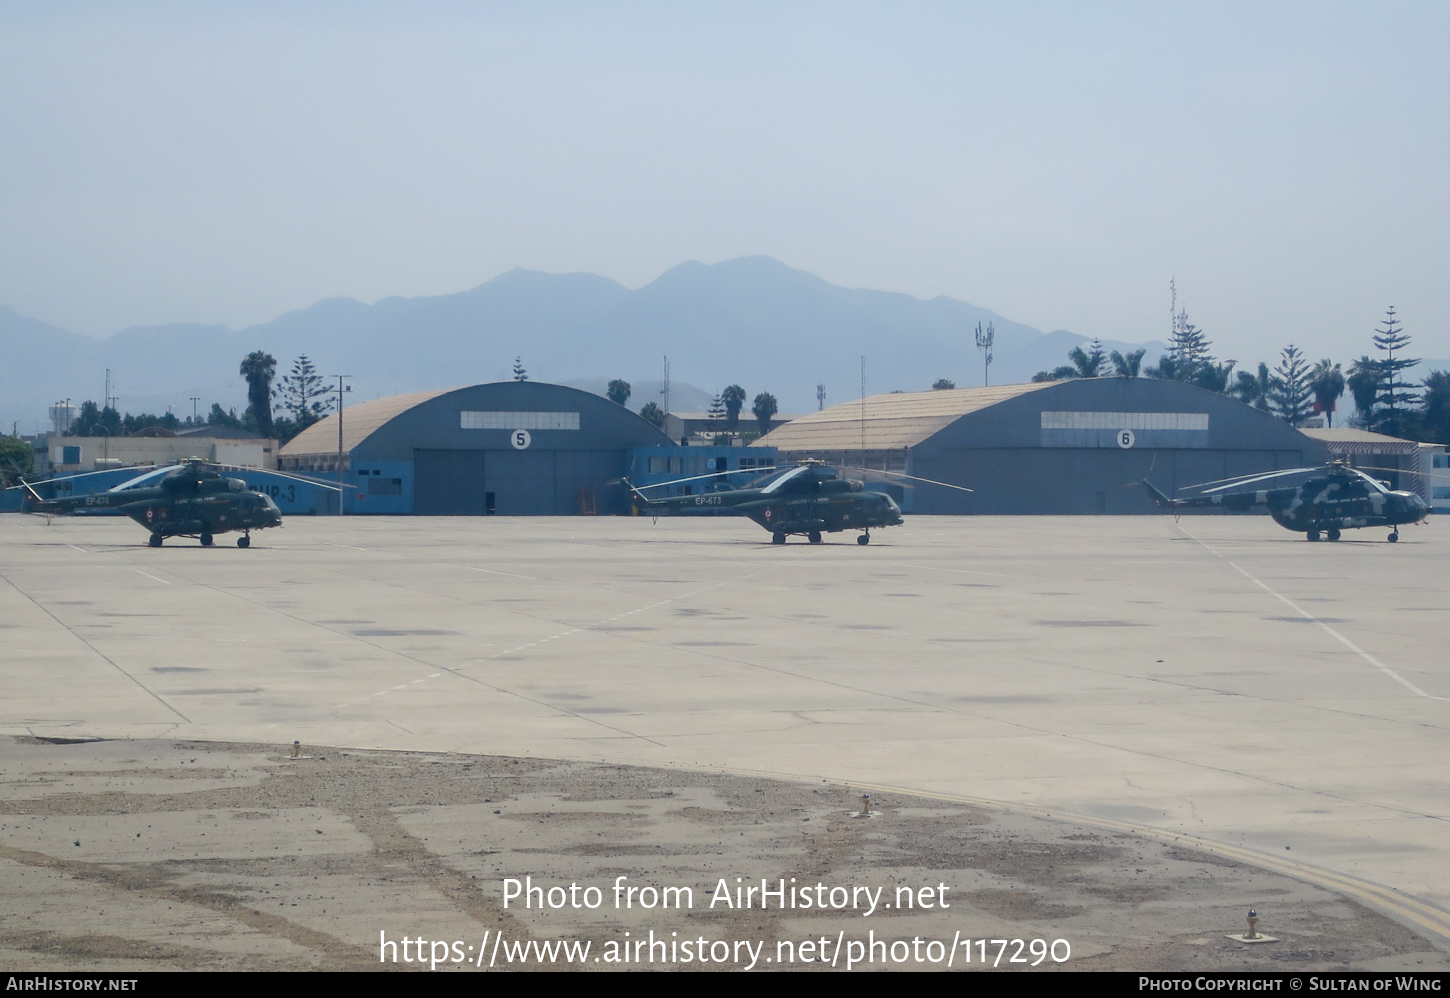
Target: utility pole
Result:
[[341, 465], [863, 410], [984, 344], [666, 390], [194, 400]]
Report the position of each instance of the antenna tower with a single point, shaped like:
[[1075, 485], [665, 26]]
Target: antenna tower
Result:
[[984, 344]]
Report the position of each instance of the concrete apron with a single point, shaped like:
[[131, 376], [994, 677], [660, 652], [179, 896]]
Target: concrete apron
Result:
[[1218, 679]]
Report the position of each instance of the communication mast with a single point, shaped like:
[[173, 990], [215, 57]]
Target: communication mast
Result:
[[984, 344]]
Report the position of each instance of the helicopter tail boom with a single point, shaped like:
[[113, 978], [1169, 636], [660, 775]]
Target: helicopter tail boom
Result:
[[1159, 499]]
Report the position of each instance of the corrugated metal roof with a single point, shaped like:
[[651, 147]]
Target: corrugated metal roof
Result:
[[900, 419], [1348, 434], [358, 423]]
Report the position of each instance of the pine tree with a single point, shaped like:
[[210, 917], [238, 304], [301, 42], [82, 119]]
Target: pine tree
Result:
[[519, 373], [303, 395], [1189, 348], [1396, 397], [1291, 390]]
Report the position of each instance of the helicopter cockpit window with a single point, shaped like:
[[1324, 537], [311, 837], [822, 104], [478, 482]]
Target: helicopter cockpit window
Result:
[[236, 485]]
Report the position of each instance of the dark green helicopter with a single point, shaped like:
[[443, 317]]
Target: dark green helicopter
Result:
[[1341, 497], [189, 500], [808, 499]]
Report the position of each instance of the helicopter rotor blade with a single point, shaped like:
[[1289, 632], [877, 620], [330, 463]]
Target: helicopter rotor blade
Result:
[[1404, 471], [69, 478], [282, 474], [1254, 476], [914, 478], [696, 478], [1259, 478]]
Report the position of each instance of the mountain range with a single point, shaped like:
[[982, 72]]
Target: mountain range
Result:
[[752, 321]]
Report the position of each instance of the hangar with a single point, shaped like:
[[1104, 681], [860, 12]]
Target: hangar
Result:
[[1057, 447], [511, 448]]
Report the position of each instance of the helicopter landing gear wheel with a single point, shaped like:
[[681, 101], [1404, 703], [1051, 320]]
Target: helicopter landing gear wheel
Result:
[[206, 540], [814, 537], [864, 539], [1393, 537], [244, 541], [1333, 534], [777, 538], [155, 541], [1313, 535]]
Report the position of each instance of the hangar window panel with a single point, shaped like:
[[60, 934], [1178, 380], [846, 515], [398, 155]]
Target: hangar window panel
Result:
[[1125, 421], [491, 420]]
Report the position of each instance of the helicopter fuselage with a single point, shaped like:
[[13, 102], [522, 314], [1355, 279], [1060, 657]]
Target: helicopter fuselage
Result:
[[186, 503], [804, 503], [1329, 503]]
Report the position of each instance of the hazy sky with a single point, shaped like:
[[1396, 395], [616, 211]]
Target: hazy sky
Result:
[[1054, 162]]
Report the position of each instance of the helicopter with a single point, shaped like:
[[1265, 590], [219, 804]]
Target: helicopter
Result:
[[1340, 497], [189, 500], [808, 499]]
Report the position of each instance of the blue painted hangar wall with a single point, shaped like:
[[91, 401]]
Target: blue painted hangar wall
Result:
[[1062, 449], [513, 448]]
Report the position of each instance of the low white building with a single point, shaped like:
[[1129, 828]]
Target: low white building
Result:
[[237, 448], [1403, 463]]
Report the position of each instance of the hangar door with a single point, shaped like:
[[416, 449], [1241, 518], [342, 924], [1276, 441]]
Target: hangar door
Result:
[[510, 482], [549, 483], [448, 482], [522, 482]]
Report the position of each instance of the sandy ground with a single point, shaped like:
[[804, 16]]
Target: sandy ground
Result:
[[157, 854]]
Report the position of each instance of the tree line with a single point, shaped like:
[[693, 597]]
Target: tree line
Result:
[[725, 407], [1295, 390], [298, 400]]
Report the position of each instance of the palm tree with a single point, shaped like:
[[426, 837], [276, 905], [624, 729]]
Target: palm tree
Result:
[[1085, 364], [652, 412], [1255, 390], [259, 368], [1364, 380], [764, 408], [734, 398], [1126, 366], [618, 391], [1326, 381]]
